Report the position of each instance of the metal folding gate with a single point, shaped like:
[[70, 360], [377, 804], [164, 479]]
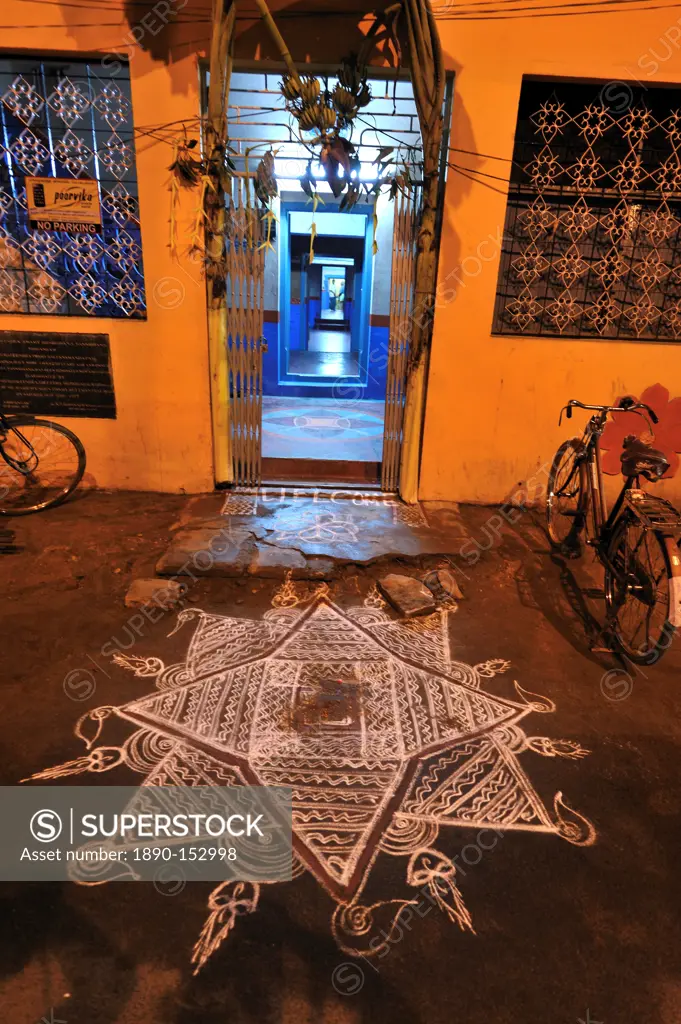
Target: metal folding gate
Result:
[[257, 118], [405, 225], [245, 258]]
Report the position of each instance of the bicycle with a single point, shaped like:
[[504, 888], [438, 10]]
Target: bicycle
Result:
[[636, 542], [43, 463]]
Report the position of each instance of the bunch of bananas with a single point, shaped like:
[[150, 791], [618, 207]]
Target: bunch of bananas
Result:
[[304, 89], [353, 77], [304, 100], [316, 117], [310, 88], [345, 102], [318, 112], [351, 92]]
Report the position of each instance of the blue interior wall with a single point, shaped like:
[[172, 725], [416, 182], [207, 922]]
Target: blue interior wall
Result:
[[314, 309], [270, 370], [378, 362], [295, 341], [371, 381], [343, 390]]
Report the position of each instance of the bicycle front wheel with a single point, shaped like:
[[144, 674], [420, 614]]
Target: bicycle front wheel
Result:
[[42, 463], [637, 590], [566, 496]]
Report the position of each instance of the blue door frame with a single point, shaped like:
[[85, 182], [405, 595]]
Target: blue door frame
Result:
[[362, 314], [304, 326]]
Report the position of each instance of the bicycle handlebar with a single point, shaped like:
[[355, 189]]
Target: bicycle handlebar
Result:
[[626, 405]]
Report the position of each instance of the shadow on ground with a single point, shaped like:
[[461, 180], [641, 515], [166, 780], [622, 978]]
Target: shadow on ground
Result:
[[560, 931]]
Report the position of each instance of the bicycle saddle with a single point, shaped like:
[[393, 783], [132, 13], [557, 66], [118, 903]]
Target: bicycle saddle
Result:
[[639, 459]]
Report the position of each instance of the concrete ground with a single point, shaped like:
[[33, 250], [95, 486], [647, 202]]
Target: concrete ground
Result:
[[563, 933]]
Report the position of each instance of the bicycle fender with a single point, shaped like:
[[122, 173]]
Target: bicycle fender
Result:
[[658, 514], [672, 547]]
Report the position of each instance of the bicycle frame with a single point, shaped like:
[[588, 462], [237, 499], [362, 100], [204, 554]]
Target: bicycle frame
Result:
[[602, 522], [654, 512], [25, 468], [601, 526]]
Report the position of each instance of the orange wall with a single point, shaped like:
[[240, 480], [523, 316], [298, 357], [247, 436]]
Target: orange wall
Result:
[[162, 437], [493, 402], [492, 408]]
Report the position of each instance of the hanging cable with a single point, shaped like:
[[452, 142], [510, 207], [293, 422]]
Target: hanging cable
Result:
[[477, 181]]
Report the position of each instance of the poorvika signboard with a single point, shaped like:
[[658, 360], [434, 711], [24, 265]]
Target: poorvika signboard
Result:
[[64, 204]]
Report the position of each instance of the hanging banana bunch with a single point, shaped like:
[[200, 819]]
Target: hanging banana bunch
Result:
[[317, 110], [352, 90], [352, 75], [302, 90], [325, 114], [310, 107]]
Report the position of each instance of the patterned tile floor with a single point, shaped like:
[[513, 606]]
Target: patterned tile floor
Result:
[[326, 428], [324, 364]]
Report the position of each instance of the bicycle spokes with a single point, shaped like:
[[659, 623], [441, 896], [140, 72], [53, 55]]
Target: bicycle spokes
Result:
[[39, 464], [564, 504], [639, 590]]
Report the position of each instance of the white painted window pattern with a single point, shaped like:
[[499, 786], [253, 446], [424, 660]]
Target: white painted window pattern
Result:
[[592, 232], [69, 119]]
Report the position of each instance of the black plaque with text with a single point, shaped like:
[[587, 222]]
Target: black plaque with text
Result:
[[56, 374]]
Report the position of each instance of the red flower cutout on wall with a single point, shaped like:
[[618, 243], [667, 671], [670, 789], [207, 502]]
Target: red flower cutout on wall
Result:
[[667, 436]]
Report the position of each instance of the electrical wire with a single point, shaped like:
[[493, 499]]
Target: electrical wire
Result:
[[485, 156], [459, 170], [506, 5], [474, 170], [455, 149], [478, 4], [551, 14], [96, 7], [577, 8], [456, 9], [62, 25]]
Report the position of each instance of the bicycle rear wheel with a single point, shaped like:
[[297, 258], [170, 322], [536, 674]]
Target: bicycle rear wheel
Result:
[[42, 463], [566, 497], [637, 592]]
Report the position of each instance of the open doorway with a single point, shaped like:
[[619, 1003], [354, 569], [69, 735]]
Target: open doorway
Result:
[[327, 404], [318, 356]]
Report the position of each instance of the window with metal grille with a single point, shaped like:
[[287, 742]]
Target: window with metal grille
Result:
[[69, 119], [592, 240]]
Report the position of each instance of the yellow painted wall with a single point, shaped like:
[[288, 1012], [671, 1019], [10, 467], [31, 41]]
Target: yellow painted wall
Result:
[[492, 408], [493, 402], [162, 437]]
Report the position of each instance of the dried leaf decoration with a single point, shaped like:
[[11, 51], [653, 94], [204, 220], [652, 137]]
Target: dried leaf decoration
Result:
[[265, 182], [186, 168]]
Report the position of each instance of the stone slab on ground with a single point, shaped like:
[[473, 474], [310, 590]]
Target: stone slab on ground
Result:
[[448, 582], [407, 595], [164, 593], [311, 536]]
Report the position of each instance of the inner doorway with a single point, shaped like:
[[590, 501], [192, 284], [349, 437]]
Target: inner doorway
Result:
[[326, 405], [318, 353]]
